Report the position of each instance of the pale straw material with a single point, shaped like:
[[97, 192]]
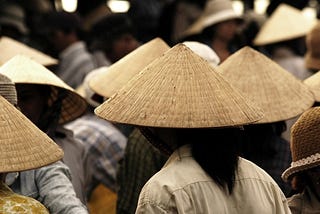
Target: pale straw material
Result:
[[312, 56], [22, 69], [22, 144], [10, 48], [179, 90], [85, 91], [285, 23], [313, 82], [275, 90], [8, 90], [118, 74], [305, 143], [215, 11]]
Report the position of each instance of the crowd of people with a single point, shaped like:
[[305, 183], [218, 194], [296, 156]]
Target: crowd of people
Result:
[[217, 112]]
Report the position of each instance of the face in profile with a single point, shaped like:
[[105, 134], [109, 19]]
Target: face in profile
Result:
[[32, 100]]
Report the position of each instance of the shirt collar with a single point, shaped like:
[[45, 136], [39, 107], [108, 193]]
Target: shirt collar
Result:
[[178, 154]]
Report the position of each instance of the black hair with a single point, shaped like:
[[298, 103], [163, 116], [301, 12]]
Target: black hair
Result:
[[216, 151]]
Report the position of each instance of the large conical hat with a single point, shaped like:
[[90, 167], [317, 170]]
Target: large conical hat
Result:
[[23, 146], [22, 69], [114, 77], [179, 90], [281, 95], [285, 23], [10, 48]]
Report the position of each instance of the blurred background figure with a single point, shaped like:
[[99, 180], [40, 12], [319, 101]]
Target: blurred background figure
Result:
[[312, 55], [112, 37], [217, 27], [13, 21], [304, 172], [63, 32]]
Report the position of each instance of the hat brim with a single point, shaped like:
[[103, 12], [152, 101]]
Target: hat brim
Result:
[[301, 165], [216, 18]]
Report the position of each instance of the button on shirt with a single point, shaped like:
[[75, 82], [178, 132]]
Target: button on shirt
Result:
[[181, 186]]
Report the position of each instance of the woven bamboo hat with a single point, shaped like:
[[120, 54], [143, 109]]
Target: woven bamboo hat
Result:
[[8, 90], [21, 69], [312, 56], [179, 90], [215, 11], [22, 144], [285, 23], [10, 48], [305, 143], [275, 90], [313, 82], [109, 82]]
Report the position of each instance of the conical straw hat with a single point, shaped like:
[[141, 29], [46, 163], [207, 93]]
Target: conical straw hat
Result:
[[21, 69], [10, 48], [280, 94], [109, 82], [215, 11], [23, 146], [313, 82], [179, 90], [285, 23]]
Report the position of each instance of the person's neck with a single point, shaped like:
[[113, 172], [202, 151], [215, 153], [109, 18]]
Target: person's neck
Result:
[[221, 48]]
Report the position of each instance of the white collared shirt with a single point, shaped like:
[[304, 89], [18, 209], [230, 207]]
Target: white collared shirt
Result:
[[182, 186]]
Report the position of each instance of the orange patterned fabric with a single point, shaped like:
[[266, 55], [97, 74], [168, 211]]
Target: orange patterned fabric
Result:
[[12, 203]]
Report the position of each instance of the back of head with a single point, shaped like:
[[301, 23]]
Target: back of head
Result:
[[111, 27], [64, 21]]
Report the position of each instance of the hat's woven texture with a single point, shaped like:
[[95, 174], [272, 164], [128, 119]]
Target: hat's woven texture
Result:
[[275, 90], [312, 56], [21, 69], [10, 48], [285, 23], [23, 146], [313, 82], [305, 142], [179, 90], [118, 74], [8, 90]]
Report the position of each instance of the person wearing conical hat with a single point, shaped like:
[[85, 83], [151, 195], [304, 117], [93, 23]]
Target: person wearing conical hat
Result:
[[304, 172], [216, 27], [282, 37], [49, 102], [31, 160], [281, 96], [189, 111], [142, 160]]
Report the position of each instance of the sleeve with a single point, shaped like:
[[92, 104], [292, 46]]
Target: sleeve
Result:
[[150, 208], [56, 190]]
